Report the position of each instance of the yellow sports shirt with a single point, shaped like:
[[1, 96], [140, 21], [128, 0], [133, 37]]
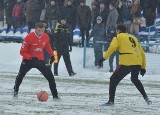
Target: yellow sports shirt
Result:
[[130, 50]]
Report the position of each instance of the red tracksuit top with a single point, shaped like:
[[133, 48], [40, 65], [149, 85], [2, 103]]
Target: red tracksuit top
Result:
[[34, 47]]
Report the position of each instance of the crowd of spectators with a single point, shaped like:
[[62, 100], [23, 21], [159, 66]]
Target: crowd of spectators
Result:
[[101, 16], [19, 13]]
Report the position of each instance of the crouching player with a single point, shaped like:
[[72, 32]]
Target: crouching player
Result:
[[32, 51]]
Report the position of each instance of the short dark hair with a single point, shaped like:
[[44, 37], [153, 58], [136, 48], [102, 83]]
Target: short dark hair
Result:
[[113, 4], [82, 1], [40, 25], [122, 28]]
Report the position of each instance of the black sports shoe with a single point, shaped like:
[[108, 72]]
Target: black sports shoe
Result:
[[109, 103], [15, 94], [148, 101], [55, 74], [56, 98], [111, 70], [72, 74]]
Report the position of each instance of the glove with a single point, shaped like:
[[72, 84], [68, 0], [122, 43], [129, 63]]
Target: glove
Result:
[[24, 61], [101, 61], [142, 71], [70, 48], [51, 60], [33, 59]]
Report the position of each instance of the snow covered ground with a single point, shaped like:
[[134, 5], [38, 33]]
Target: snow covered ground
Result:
[[80, 95]]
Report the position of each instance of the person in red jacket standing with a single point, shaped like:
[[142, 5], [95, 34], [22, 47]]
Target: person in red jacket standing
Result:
[[32, 51]]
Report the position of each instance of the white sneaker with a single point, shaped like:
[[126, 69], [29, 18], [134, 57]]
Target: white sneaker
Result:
[[10, 34], [25, 29], [3, 34], [24, 34], [18, 35], [148, 101]]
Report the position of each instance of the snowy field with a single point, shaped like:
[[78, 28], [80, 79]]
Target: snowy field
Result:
[[80, 95]]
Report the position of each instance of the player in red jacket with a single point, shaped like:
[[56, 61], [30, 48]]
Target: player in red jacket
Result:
[[32, 51]]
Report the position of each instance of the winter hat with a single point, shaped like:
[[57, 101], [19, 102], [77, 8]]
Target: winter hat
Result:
[[63, 18], [99, 18]]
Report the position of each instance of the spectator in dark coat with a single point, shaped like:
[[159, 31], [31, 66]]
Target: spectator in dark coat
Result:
[[52, 14], [30, 10], [119, 7], [9, 4], [40, 5], [69, 12], [63, 46], [150, 11], [84, 21], [126, 16], [18, 14], [103, 12], [94, 13], [112, 17], [111, 26], [98, 34]]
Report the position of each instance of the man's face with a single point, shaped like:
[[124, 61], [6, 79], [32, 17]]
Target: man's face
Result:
[[52, 2], [98, 21], [93, 6], [129, 3], [39, 31], [82, 3], [117, 31], [69, 3], [63, 22], [110, 7], [136, 2], [102, 6]]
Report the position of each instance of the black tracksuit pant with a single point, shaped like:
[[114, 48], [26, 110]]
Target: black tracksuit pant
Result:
[[67, 61], [119, 74], [40, 65]]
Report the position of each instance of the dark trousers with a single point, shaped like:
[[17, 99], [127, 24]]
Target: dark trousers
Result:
[[31, 25], [40, 65], [18, 23], [71, 28], [111, 58], [98, 53], [85, 32], [119, 74], [67, 61]]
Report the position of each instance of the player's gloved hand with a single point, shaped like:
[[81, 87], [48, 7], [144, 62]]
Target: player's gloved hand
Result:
[[70, 48], [33, 59], [51, 60], [142, 71], [101, 61], [24, 61]]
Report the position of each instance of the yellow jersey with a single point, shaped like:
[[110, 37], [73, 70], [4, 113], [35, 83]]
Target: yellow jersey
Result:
[[129, 48]]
